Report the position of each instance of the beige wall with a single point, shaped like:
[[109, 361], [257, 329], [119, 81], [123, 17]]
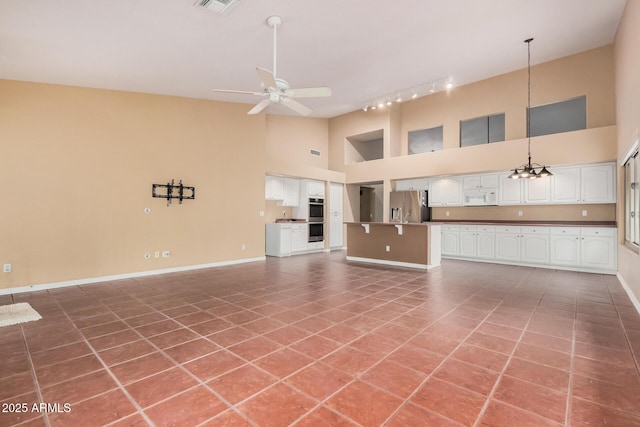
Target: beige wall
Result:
[[77, 168], [627, 92]]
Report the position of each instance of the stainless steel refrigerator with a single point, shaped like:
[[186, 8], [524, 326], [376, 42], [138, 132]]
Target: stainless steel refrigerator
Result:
[[409, 206]]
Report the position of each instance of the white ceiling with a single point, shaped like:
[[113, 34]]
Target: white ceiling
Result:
[[363, 50]]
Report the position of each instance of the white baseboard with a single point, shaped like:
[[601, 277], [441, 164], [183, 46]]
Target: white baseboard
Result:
[[86, 281], [632, 296], [392, 263]]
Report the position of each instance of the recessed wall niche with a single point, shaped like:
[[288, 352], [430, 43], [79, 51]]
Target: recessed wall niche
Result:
[[364, 147]]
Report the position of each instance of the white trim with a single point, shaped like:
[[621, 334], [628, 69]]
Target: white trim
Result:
[[632, 297], [86, 281], [393, 263], [631, 150]]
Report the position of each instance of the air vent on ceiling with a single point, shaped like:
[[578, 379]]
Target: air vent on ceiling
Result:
[[314, 152], [220, 6]]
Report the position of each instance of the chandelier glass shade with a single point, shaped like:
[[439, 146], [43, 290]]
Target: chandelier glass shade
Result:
[[529, 170]]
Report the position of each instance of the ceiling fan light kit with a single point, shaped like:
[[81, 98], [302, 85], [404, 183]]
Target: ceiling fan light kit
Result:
[[528, 170], [276, 90]]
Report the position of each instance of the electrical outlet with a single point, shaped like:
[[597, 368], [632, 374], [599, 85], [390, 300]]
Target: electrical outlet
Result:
[[387, 248], [157, 254], [520, 213], [261, 213], [446, 213], [6, 268], [584, 212], [244, 247], [166, 254]]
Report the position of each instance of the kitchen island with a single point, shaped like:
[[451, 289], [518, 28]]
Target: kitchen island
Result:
[[393, 243]]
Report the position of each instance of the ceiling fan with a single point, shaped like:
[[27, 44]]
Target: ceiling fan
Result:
[[276, 90]]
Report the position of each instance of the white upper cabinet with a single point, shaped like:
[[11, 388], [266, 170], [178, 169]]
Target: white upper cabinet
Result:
[[509, 191], [473, 182], [597, 183], [315, 189], [445, 192], [565, 185], [291, 193], [273, 188], [537, 191], [412, 184], [584, 184]]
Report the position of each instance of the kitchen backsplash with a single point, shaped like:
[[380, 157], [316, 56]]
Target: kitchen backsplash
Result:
[[601, 212], [272, 211]]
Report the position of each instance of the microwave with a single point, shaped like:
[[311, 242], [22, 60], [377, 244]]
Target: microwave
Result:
[[483, 197]]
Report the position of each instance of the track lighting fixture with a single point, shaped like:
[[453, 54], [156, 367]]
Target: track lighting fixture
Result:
[[399, 96], [528, 170]]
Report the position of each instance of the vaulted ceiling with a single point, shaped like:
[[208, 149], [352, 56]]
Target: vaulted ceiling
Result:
[[363, 50]]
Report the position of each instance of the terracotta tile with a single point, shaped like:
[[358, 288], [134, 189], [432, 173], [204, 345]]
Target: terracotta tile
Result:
[[244, 316], [536, 373], [319, 380], [616, 357], [605, 393], [290, 316], [183, 353], [539, 400], [435, 343], [364, 323], [500, 331], [491, 342], [313, 324], [341, 333], [543, 356], [277, 406], [231, 336], [324, 417], [194, 318], [262, 326], [350, 360], [241, 383], [100, 410], [255, 348], [141, 367], [135, 420], [481, 357], [113, 340], [394, 378], [59, 354], [145, 319], [448, 331], [229, 418], [283, 362], [374, 344], [79, 388], [315, 346], [500, 414], [158, 328], [547, 341], [67, 370], [173, 338], [411, 415], [10, 418], [468, 376], [87, 322], [104, 329], [453, 402], [397, 333], [160, 386], [365, 404], [416, 358], [602, 371], [587, 414], [126, 352], [15, 385], [214, 364], [191, 407]]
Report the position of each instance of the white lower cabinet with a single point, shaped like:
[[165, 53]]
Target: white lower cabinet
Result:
[[591, 249], [284, 239], [299, 237], [450, 240]]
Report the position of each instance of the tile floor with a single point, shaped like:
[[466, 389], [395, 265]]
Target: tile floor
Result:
[[316, 341]]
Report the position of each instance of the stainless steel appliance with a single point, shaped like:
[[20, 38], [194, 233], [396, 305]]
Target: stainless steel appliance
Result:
[[410, 206], [316, 220]]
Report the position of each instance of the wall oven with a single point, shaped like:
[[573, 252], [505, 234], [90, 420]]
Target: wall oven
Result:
[[316, 232], [316, 210]]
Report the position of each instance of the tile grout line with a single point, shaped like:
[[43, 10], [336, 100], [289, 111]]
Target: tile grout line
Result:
[[567, 416], [34, 376]]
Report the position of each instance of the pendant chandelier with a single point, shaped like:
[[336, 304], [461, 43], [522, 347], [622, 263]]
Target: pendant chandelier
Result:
[[528, 170]]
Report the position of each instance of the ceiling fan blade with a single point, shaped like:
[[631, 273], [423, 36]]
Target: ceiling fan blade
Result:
[[267, 78], [310, 92], [239, 91], [260, 106], [296, 106]]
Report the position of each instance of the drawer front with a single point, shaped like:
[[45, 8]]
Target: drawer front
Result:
[[486, 229], [468, 228], [535, 230], [596, 231], [449, 227], [507, 229], [565, 231]]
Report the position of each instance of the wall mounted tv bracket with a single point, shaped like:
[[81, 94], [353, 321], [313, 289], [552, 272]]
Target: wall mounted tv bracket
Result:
[[173, 191]]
